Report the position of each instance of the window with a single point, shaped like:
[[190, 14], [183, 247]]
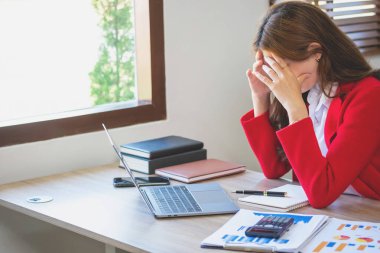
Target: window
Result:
[[143, 97], [359, 19]]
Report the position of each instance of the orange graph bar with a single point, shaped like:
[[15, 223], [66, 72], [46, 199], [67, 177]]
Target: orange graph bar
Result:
[[320, 247], [341, 247], [362, 247], [341, 226], [367, 227], [354, 227]]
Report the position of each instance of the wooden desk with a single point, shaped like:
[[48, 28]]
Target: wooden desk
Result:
[[86, 202]]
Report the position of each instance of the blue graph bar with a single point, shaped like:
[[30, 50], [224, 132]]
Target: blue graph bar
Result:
[[241, 228], [264, 240], [230, 238], [249, 239], [330, 244], [297, 218]]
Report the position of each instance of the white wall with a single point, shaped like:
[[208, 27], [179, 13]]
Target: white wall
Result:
[[207, 50]]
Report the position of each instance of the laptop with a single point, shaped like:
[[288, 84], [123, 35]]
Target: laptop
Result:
[[181, 200]]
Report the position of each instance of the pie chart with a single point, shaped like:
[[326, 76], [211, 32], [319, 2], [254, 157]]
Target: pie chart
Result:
[[341, 237], [364, 239]]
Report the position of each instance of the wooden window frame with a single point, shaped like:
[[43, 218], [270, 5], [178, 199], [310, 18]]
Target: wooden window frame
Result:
[[151, 107]]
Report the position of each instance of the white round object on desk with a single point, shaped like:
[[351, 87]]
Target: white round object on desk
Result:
[[39, 199]]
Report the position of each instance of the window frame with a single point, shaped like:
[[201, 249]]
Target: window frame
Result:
[[66, 124]]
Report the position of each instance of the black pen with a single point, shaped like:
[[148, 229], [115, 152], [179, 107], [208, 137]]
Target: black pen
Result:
[[263, 193]]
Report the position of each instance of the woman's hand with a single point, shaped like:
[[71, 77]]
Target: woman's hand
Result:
[[285, 86], [259, 90]]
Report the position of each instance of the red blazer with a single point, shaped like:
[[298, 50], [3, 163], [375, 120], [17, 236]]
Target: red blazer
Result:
[[352, 135]]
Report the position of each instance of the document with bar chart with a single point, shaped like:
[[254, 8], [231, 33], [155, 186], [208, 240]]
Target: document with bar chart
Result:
[[346, 236], [232, 234]]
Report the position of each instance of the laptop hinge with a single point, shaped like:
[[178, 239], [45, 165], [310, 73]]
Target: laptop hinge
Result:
[[147, 201]]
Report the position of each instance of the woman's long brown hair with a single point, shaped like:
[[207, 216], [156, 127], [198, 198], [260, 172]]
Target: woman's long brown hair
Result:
[[288, 30]]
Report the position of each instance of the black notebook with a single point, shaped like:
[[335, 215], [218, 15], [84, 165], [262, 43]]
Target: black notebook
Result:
[[149, 166], [159, 147]]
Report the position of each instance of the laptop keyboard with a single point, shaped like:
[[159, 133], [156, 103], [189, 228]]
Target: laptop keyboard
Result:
[[175, 199]]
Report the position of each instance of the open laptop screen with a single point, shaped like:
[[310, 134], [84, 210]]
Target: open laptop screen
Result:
[[116, 149]]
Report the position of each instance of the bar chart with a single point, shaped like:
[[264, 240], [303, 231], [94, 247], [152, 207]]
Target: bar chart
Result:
[[257, 240], [349, 237], [239, 237], [344, 247], [297, 218]]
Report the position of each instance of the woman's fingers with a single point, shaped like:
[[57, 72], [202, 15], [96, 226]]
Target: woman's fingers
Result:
[[271, 73], [264, 73], [257, 86], [259, 55], [274, 65], [281, 62], [257, 65], [249, 75], [267, 81], [252, 78]]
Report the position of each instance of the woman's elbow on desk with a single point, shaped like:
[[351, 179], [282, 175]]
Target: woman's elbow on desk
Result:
[[320, 203], [275, 171], [270, 175], [321, 198]]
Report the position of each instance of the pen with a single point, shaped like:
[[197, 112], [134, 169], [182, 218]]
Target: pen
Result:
[[262, 193]]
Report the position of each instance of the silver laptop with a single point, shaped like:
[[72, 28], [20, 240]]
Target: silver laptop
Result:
[[181, 200]]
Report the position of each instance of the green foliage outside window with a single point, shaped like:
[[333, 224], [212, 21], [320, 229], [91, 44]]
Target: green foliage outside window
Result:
[[113, 76]]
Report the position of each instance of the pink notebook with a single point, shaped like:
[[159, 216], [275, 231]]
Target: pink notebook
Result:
[[200, 170]]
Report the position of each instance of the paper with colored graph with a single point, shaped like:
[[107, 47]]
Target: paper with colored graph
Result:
[[346, 236], [232, 234]]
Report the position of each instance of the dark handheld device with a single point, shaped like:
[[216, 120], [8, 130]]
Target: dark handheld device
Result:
[[142, 181], [270, 226]]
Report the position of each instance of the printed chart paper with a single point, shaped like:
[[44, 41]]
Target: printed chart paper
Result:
[[232, 234], [346, 236]]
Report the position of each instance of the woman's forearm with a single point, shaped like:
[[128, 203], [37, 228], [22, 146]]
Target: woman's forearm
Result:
[[260, 104]]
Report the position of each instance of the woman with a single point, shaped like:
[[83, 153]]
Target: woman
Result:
[[323, 118]]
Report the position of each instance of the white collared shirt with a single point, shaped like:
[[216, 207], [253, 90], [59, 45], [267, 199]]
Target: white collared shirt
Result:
[[319, 105]]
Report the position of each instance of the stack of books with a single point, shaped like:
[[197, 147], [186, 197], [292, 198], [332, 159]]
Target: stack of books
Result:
[[149, 155]]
